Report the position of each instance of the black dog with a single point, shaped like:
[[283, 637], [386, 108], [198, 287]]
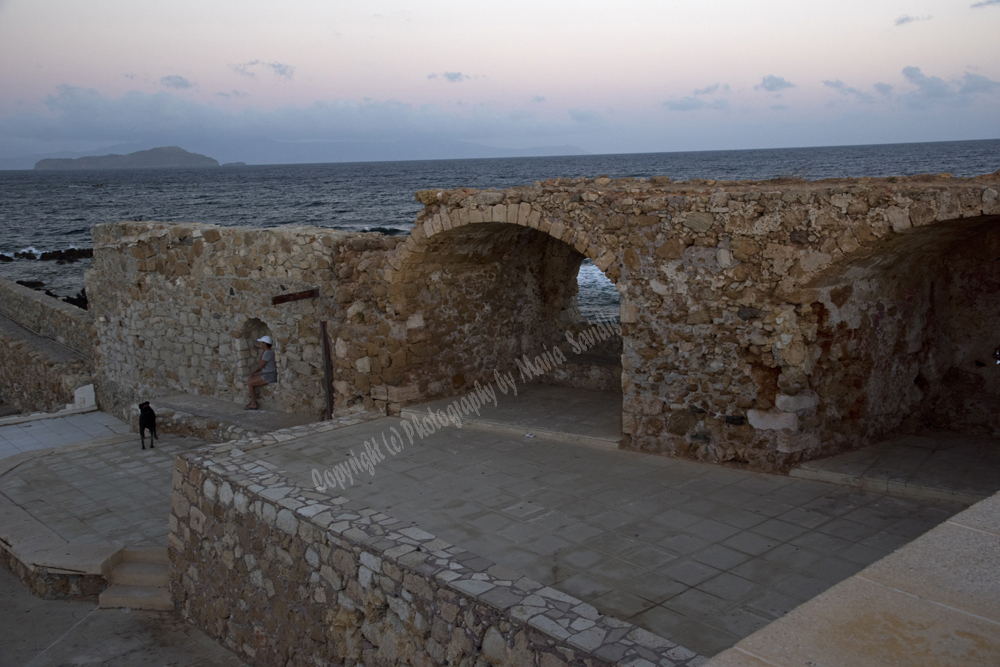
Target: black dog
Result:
[[147, 420]]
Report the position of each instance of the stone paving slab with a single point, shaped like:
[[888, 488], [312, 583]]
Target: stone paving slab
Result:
[[109, 493], [939, 465], [336, 533], [699, 554], [47, 633], [58, 431], [932, 603], [584, 417]]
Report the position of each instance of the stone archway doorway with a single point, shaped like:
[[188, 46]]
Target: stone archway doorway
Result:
[[496, 304]]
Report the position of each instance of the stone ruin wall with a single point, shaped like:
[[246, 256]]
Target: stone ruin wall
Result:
[[762, 323], [33, 379], [743, 339], [180, 306], [48, 317]]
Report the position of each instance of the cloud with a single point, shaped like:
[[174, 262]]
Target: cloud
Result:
[[584, 116], [695, 104], [245, 69], [844, 89], [280, 69], [451, 77], [175, 81], [905, 19], [986, 3], [779, 107], [238, 94], [168, 119], [882, 88], [708, 90], [975, 83], [932, 90], [930, 87], [130, 77], [773, 84], [538, 99]]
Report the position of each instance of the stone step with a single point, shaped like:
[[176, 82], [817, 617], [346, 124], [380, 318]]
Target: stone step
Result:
[[139, 573], [145, 555], [136, 597]]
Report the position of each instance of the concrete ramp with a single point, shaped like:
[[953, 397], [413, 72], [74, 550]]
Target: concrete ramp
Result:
[[574, 416]]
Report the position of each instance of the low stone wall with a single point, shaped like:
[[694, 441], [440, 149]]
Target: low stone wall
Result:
[[53, 585], [33, 381], [191, 425], [47, 346], [289, 576], [50, 318]]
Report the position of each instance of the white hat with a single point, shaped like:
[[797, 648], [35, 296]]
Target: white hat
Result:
[[264, 339]]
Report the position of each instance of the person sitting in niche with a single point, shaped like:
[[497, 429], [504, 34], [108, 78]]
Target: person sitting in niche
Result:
[[266, 373]]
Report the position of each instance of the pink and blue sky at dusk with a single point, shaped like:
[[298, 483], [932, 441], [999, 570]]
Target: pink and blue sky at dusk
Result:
[[247, 80]]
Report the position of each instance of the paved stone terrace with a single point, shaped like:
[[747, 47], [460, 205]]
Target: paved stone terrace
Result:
[[583, 417], [55, 633], [29, 436], [943, 465], [106, 493], [699, 554]]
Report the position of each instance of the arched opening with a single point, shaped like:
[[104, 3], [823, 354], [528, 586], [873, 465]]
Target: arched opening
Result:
[[245, 348], [907, 336], [597, 297], [482, 298]]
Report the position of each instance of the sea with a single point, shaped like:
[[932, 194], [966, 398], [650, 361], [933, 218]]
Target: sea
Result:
[[52, 210]]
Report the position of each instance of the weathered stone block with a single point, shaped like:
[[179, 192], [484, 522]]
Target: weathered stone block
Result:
[[773, 421], [698, 221]]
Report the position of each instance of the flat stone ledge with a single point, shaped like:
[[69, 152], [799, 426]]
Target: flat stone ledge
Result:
[[49, 565], [36, 416]]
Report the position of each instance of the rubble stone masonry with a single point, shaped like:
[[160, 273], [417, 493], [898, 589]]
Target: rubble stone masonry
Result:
[[762, 322], [48, 317], [47, 347]]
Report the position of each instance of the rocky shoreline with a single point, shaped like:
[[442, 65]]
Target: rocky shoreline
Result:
[[67, 256]]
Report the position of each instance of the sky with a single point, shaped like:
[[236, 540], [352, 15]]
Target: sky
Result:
[[265, 81]]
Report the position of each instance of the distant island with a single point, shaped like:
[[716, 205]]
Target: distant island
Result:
[[154, 158]]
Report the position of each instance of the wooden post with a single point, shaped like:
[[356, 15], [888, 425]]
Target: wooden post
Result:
[[327, 372]]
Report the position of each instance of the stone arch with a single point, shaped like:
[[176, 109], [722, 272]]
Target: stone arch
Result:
[[245, 346], [906, 333], [440, 223], [470, 298]]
